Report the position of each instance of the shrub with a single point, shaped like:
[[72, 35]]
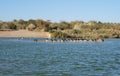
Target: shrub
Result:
[[31, 27], [59, 35]]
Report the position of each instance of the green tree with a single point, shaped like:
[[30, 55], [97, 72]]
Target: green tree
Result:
[[12, 26]]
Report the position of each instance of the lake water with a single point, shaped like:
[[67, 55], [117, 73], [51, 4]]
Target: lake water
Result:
[[24, 57]]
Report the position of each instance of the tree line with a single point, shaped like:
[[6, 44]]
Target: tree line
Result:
[[63, 29]]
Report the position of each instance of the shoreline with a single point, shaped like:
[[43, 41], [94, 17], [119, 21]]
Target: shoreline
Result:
[[23, 34]]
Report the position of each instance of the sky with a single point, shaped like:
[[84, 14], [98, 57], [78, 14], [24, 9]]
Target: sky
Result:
[[61, 10]]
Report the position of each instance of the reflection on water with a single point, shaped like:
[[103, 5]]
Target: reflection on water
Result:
[[24, 57]]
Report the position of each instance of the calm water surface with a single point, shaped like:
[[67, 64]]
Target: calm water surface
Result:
[[23, 57]]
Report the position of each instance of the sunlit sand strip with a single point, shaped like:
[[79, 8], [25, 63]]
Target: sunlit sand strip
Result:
[[24, 33]]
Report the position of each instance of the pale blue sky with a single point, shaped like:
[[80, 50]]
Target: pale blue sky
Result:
[[59, 10]]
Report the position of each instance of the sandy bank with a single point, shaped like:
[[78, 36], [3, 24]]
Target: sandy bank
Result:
[[24, 33]]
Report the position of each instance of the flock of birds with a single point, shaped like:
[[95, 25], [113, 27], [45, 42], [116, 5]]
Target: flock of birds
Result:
[[69, 40]]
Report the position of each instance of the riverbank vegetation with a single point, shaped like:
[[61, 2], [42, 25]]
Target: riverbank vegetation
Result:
[[74, 29]]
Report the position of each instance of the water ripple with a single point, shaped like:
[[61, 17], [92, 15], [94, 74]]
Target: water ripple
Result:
[[27, 58]]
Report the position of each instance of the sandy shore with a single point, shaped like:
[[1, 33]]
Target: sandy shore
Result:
[[24, 33]]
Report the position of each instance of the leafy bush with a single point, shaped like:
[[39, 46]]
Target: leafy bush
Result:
[[58, 35]]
